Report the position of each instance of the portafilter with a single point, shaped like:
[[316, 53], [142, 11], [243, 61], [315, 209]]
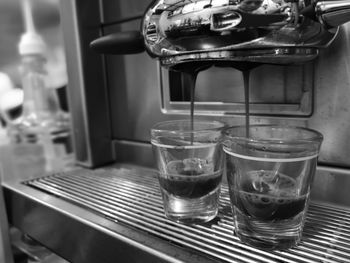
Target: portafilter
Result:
[[178, 32]]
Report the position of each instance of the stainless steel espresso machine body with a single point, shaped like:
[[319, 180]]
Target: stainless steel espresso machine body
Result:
[[109, 208], [288, 86]]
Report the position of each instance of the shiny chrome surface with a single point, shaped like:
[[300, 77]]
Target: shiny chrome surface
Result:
[[129, 105], [138, 99], [83, 234], [266, 31], [333, 13], [125, 199]]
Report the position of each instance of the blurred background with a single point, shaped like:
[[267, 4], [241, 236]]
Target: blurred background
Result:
[[47, 22], [46, 17]]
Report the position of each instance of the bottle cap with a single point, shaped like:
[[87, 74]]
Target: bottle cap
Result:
[[31, 43]]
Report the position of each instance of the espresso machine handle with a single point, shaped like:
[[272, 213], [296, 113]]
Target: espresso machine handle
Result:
[[119, 43]]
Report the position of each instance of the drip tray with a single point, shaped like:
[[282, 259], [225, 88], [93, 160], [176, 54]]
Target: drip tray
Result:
[[130, 197]]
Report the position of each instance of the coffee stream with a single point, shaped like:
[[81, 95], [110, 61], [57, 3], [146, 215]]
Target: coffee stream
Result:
[[246, 75], [192, 92], [192, 70], [245, 68]]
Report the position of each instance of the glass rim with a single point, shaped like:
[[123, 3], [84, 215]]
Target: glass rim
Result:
[[164, 126], [315, 136]]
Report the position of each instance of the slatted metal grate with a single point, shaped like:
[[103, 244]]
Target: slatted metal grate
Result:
[[130, 197]]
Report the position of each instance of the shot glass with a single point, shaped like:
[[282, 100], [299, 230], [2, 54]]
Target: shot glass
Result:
[[270, 170], [190, 162]]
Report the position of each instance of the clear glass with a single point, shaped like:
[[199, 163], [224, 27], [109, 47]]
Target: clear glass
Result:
[[190, 161], [270, 174]]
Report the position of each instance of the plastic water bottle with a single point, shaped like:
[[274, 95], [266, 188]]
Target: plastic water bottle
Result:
[[42, 122]]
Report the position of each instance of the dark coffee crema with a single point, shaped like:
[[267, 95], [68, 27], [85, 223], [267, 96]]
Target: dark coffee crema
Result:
[[190, 184]]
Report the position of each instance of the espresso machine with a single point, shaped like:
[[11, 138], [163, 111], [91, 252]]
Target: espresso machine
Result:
[[128, 65]]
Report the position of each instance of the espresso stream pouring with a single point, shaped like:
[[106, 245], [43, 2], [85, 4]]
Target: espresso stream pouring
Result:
[[231, 31]]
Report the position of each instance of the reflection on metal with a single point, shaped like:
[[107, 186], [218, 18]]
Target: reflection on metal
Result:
[[333, 13], [128, 197], [225, 21], [266, 31]]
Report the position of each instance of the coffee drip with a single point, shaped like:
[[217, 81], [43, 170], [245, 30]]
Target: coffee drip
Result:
[[192, 69]]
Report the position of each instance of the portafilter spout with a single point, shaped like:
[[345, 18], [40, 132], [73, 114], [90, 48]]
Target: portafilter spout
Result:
[[177, 32]]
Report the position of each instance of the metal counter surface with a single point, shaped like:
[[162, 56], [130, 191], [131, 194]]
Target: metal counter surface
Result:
[[114, 214]]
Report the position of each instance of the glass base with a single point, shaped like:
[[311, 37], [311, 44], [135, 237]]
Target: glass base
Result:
[[191, 210], [269, 234], [270, 244]]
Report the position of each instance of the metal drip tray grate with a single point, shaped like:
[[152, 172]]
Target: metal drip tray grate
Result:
[[131, 197]]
